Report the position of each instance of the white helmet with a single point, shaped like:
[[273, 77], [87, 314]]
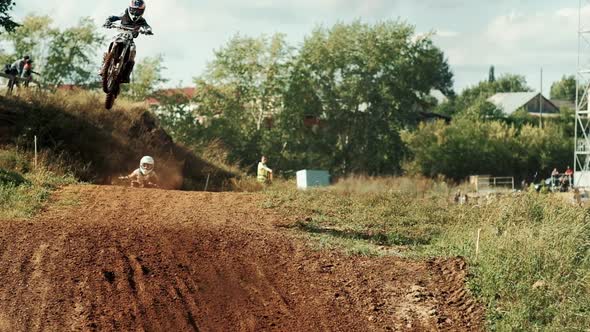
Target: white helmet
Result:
[[146, 165]]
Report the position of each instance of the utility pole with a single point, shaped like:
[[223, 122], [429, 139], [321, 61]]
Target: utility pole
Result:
[[582, 133]]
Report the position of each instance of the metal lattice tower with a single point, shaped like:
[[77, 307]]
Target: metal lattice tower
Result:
[[582, 138]]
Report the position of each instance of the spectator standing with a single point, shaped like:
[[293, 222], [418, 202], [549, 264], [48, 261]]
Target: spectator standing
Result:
[[16, 71], [554, 177], [264, 173], [569, 174]]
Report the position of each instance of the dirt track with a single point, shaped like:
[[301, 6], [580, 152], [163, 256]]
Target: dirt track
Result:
[[125, 259]]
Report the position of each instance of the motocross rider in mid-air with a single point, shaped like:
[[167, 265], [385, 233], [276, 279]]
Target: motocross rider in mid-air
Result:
[[131, 18], [144, 176]]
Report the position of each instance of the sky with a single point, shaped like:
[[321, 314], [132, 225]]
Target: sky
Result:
[[516, 36]]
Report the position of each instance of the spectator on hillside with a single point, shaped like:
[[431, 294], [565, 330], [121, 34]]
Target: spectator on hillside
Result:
[[457, 197], [28, 72], [16, 70], [18, 67], [464, 199], [264, 173], [460, 198], [554, 177], [569, 173]]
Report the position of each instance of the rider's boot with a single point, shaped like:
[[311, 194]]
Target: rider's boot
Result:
[[126, 77]]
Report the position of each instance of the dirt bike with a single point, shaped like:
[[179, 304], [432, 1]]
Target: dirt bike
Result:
[[127, 181], [115, 61]]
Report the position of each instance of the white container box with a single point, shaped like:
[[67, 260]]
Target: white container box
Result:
[[312, 178]]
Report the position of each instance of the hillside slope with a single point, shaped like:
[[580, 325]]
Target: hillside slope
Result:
[[98, 144]]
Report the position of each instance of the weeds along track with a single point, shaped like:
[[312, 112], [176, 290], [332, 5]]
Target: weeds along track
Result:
[[122, 259]]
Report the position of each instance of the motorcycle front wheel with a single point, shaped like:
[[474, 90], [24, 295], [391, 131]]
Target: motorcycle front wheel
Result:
[[107, 71], [109, 101]]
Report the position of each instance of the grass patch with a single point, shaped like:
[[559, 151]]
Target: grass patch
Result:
[[8, 178], [23, 194], [533, 269], [245, 184]]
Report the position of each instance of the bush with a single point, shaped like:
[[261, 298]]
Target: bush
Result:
[[469, 146], [22, 195], [14, 161], [8, 178]]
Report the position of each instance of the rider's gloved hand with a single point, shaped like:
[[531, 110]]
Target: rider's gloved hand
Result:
[[107, 24], [147, 31]]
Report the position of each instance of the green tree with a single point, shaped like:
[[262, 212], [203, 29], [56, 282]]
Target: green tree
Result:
[[147, 78], [6, 21], [362, 84], [176, 115], [71, 56], [255, 70], [486, 89], [242, 88], [482, 91], [542, 149], [32, 38], [468, 147], [483, 110], [564, 89]]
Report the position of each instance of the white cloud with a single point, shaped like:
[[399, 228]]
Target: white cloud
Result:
[[446, 33], [510, 34], [518, 42], [518, 38]]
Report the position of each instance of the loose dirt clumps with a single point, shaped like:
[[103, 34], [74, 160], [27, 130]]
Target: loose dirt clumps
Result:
[[124, 259]]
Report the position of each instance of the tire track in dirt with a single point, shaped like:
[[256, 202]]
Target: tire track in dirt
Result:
[[154, 260]]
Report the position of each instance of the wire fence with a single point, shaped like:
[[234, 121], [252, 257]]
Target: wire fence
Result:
[[493, 184]]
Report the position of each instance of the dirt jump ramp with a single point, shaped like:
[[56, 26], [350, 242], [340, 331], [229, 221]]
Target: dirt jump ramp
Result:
[[124, 259]]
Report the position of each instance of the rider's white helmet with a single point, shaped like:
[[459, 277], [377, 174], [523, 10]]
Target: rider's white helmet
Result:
[[146, 165], [136, 9]]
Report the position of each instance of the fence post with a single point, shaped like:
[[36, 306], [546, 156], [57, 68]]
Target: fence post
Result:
[[207, 182]]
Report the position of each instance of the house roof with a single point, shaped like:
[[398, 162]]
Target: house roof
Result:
[[68, 87], [564, 103], [510, 102], [439, 96], [186, 92]]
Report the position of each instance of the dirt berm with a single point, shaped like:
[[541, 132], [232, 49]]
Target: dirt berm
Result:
[[99, 145], [125, 259]]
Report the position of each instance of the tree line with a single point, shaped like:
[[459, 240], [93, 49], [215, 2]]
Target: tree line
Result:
[[350, 98], [71, 56]]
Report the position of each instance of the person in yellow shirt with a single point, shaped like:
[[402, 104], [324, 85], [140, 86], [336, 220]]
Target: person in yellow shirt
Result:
[[264, 173]]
